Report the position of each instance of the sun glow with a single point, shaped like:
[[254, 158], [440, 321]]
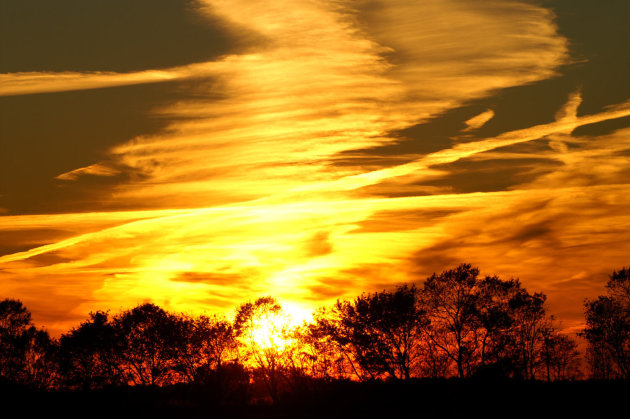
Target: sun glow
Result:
[[271, 332]]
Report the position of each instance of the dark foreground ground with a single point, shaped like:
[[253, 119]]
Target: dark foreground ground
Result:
[[417, 399]]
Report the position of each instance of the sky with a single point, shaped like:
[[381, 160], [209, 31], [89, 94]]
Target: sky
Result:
[[202, 153]]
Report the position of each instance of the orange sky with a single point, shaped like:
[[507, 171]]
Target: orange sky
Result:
[[310, 150]]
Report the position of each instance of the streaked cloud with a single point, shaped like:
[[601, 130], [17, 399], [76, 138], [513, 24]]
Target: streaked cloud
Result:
[[96, 169], [479, 121], [29, 83], [47, 82], [254, 188]]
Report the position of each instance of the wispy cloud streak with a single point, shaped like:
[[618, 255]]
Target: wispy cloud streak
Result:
[[246, 195]]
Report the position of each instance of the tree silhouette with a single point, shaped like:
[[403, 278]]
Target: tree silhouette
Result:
[[381, 332], [15, 323], [483, 325], [619, 287], [608, 328], [458, 324], [451, 299], [530, 324], [317, 354], [262, 327], [148, 343], [209, 344], [560, 356], [496, 320], [328, 340], [26, 353], [87, 355]]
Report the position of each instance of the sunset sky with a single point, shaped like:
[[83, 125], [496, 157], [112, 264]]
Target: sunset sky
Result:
[[202, 153]]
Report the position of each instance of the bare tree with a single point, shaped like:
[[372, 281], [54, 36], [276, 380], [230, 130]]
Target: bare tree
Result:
[[451, 299], [530, 323]]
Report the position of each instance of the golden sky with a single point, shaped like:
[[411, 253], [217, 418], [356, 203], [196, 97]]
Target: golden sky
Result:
[[200, 153]]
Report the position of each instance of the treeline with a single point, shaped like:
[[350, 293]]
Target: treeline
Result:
[[457, 324]]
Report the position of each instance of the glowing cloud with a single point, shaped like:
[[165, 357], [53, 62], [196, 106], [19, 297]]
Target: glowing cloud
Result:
[[479, 121], [96, 169], [245, 195]]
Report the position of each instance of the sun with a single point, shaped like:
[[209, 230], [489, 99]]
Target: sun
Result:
[[265, 326], [271, 331]]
